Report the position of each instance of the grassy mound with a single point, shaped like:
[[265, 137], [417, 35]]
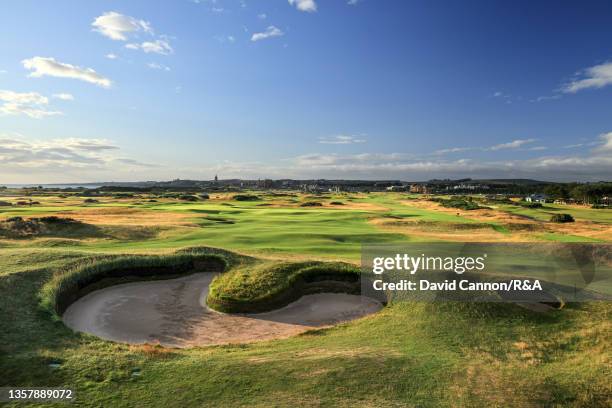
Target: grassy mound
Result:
[[188, 197], [263, 287], [562, 218], [98, 272], [528, 204], [246, 197], [311, 204], [18, 227], [460, 203]]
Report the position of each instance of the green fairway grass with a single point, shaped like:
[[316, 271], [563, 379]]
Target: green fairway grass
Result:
[[408, 354]]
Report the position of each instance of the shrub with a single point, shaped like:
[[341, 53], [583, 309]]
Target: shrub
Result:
[[5, 204], [460, 203], [246, 197], [311, 204], [204, 196], [336, 203], [57, 220], [595, 206], [17, 227], [562, 218], [188, 197], [500, 201], [90, 201], [527, 204]]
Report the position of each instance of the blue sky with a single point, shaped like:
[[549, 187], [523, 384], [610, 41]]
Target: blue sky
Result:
[[375, 89]]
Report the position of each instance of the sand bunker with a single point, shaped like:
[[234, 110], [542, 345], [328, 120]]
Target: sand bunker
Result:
[[173, 313]]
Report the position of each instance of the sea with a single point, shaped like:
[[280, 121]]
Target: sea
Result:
[[86, 185]]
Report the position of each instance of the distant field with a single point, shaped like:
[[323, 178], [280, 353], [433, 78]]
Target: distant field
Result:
[[410, 354], [280, 225]]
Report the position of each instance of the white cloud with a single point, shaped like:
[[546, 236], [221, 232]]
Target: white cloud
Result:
[[68, 159], [341, 139], [453, 150], [161, 47], [270, 32], [515, 144], [118, 26], [404, 167], [31, 104], [594, 77], [42, 66], [225, 39], [546, 98], [352, 2], [262, 16], [154, 65], [606, 146], [304, 5], [111, 56], [63, 96]]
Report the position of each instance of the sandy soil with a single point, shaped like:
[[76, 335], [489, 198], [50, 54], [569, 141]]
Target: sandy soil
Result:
[[173, 313]]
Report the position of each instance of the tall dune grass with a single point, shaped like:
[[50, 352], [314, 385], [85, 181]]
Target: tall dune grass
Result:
[[67, 286]]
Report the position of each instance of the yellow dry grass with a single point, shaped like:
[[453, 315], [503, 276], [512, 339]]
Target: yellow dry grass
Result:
[[440, 231], [127, 216], [348, 205], [522, 227]]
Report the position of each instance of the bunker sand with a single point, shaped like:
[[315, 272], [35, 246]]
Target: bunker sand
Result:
[[172, 313]]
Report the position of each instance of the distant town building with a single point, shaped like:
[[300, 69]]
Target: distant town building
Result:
[[267, 183], [537, 198], [419, 189]]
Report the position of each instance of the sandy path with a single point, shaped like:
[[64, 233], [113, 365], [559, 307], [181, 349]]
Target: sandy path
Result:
[[173, 313]]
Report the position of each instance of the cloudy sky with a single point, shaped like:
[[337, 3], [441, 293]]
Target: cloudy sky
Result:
[[375, 89]]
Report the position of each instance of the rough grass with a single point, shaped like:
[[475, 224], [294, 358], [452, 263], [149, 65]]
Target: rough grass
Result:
[[49, 226], [266, 286], [409, 354], [66, 286]]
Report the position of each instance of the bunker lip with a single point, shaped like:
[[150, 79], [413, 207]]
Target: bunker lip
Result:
[[173, 313]]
